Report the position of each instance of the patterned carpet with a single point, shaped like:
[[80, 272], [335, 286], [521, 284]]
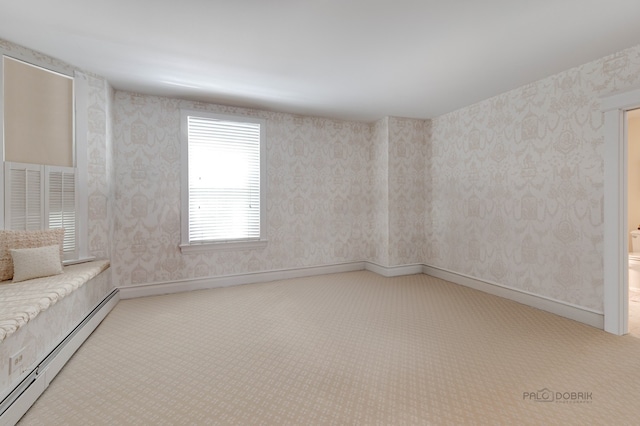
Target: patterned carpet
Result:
[[353, 348]]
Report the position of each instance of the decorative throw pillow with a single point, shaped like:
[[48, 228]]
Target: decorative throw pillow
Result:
[[35, 262], [25, 239]]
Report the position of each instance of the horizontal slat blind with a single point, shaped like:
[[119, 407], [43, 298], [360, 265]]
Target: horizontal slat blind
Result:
[[41, 197], [224, 179], [24, 184], [61, 193]]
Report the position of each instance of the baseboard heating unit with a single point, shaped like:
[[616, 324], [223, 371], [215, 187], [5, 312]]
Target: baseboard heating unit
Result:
[[18, 401]]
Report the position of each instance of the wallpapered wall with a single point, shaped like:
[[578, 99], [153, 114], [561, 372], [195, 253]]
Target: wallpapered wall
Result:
[[517, 184], [379, 249], [318, 194], [329, 184], [399, 147], [100, 152], [99, 147], [407, 197], [509, 190]]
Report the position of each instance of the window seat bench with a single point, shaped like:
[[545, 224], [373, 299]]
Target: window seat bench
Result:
[[38, 320]]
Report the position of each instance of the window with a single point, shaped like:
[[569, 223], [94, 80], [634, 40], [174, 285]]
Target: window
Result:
[[223, 196], [41, 181], [42, 197], [38, 115]]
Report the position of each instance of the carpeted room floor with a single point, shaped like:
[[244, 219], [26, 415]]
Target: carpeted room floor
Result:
[[351, 348]]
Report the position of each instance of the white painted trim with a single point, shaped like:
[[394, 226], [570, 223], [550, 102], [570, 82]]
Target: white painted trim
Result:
[[167, 287], [616, 281], [557, 307], [21, 405], [2, 167], [158, 288], [567, 310], [394, 271], [31, 59], [621, 101], [615, 213], [78, 261], [184, 181], [52, 369], [50, 365], [225, 245], [34, 58], [81, 105]]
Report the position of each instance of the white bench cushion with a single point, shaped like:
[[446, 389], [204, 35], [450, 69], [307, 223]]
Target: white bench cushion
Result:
[[21, 302]]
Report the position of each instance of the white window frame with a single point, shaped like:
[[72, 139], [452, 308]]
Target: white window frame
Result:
[[239, 244], [80, 148]]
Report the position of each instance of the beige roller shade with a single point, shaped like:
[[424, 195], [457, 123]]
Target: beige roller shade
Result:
[[38, 115]]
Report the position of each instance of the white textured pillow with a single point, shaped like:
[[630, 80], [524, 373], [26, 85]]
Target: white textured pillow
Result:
[[36, 262], [22, 240]]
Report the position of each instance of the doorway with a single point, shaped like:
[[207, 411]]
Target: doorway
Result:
[[616, 232], [633, 218]]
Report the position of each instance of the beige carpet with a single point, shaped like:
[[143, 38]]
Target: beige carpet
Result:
[[352, 348]]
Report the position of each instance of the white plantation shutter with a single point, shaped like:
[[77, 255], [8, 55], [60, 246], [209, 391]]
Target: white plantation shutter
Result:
[[223, 179], [23, 210], [41, 197], [60, 193]]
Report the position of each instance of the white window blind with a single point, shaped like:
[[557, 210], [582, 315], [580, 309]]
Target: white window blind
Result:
[[25, 189], [223, 179], [60, 192], [41, 197]]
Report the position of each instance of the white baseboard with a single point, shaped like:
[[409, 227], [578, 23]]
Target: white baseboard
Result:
[[393, 271], [577, 313], [158, 288], [593, 318]]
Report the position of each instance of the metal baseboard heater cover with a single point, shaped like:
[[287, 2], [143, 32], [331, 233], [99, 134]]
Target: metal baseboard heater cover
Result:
[[50, 363]]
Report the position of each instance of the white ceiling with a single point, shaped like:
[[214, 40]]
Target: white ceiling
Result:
[[352, 59]]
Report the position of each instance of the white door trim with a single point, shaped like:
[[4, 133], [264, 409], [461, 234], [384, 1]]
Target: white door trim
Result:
[[616, 268]]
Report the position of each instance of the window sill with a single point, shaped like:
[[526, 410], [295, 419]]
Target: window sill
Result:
[[225, 245], [76, 261]]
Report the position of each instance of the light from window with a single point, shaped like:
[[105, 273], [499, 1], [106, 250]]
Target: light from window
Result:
[[61, 195], [224, 156]]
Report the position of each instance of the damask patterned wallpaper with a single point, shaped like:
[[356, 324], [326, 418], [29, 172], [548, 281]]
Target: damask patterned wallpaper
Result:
[[399, 159], [517, 184], [509, 190], [100, 152], [379, 249], [407, 193], [318, 194], [328, 192]]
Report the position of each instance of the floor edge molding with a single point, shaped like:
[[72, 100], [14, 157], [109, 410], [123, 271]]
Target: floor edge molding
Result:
[[159, 288], [580, 314], [393, 271], [577, 313]]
